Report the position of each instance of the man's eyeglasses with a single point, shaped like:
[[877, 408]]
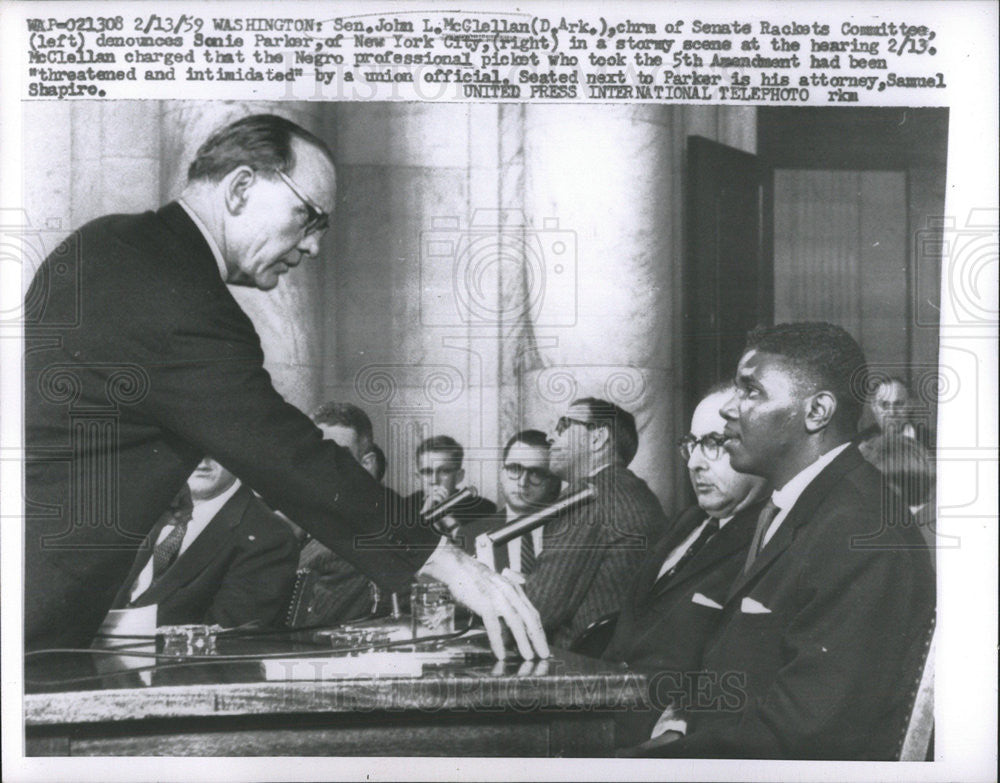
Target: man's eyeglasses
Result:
[[317, 219], [536, 476], [565, 422], [711, 445], [431, 472]]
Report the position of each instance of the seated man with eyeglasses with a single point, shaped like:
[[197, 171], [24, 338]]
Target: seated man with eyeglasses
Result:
[[528, 486], [675, 600], [590, 553]]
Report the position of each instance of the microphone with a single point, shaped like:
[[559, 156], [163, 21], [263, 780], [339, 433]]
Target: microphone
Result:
[[486, 543], [436, 516]]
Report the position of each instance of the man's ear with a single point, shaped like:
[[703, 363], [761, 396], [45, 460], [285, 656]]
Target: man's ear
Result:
[[236, 184], [819, 411], [459, 476], [598, 437], [368, 462]]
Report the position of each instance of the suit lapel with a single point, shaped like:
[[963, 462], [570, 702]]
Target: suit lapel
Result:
[[733, 538], [803, 511], [689, 519], [142, 556], [202, 551]]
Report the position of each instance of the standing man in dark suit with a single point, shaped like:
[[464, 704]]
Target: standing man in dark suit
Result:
[[528, 486], [673, 605], [231, 563], [822, 632], [589, 555], [138, 362]]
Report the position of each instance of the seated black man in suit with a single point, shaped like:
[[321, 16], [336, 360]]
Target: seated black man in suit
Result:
[[528, 486], [823, 632], [668, 616], [227, 559]]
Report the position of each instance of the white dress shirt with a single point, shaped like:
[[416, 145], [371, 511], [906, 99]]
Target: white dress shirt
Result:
[[514, 545], [786, 497]]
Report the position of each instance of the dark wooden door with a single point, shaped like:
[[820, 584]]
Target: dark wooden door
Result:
[[727, 278]]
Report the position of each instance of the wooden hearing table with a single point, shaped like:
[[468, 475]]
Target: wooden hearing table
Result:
[[471, 705]]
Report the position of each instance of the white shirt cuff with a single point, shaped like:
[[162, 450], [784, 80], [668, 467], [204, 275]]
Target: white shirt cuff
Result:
[[669, 721]]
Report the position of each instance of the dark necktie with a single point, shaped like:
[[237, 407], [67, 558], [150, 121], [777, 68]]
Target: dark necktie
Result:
[[527, 554], [767, 515], [709, 530], [165, 552]]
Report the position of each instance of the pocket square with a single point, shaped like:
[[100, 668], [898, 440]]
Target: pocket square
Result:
[[750, 606], [704, 600]]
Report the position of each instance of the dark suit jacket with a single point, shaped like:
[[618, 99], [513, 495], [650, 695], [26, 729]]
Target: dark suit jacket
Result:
[[138, 362], [470, 531], [827, 672], [660, 630], [337, 592], [590, 555], [240, 569]]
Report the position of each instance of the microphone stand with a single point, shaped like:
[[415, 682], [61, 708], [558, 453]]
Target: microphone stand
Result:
[[487, 543]]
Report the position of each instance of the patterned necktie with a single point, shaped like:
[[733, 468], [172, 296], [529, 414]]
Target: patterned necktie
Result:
[[165, 552], [707, 531], [767, 515], [527, 554]]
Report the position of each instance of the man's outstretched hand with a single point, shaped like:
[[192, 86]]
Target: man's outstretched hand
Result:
[[492, 597]]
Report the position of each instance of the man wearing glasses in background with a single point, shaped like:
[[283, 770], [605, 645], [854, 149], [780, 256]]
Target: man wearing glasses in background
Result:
[[134, 310], [590, 554], [675, 601], [528, 486]]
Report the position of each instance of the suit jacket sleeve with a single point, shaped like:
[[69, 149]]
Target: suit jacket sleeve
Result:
[[209, 387], [257, 585], [848, 631]]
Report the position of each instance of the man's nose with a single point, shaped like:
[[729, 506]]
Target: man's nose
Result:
[[730, 411], [309, 245]]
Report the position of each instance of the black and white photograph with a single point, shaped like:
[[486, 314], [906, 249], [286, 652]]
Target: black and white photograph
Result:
[[501, 433]]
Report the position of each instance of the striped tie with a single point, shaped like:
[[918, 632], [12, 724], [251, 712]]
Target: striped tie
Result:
[[527, 554], [767, 515], [165, 552]]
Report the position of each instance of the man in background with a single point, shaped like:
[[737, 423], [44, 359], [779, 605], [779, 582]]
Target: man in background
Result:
[[221, 558], [528, 486], [674, 604], [589, 554], [439, 468], [335, 591]]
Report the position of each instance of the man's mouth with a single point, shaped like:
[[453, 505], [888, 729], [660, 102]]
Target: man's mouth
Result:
[[730, 436]]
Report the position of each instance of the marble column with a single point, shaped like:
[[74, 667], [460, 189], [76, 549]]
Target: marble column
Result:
[[84, 159], [413, 300], [289, 318]]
